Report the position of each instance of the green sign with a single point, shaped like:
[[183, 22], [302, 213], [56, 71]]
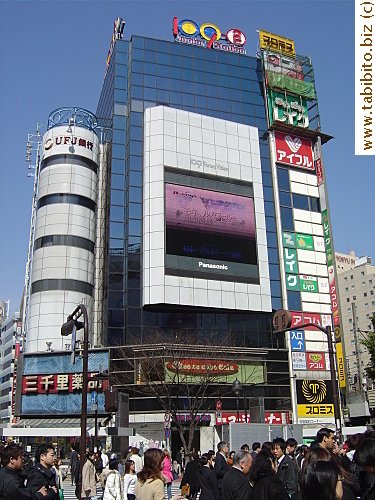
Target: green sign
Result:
[[305, 89], [327, 237], [287, 108], [290, 261], [308, 284], [197, 371], [289, 240], [304, 241], [292, 282]]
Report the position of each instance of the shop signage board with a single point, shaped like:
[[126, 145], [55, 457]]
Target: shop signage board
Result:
[[299, 360], [294, 151], [276, 43], [304, 241], [51, 385], [315, 361], [290, 260], [208, 35], [193, 370], [314, 398], [308, 284], [289, 240], [287, 109], [292, 282]]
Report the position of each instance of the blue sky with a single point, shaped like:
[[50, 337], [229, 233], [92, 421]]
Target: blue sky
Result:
[[53, 54]]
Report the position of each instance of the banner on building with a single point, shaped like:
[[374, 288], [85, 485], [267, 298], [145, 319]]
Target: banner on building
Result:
[[194, 370], [51, 385]]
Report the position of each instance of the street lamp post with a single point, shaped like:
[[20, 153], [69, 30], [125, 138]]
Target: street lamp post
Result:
[[237, 389], [66, 329], [282, 323]]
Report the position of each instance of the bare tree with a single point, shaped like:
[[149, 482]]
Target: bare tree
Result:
[[187, 379]]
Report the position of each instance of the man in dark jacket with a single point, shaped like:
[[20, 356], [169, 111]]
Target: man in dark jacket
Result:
[[235, 485], [42, 474], [12, 485], [287, 470], [221, 467], [73, 463]]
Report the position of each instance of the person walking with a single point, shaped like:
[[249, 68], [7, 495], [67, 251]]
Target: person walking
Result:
[[73, 461], [235, 485], [113, 488], [129, 480], [150, 483], [42, 474], [208, 481], [221, 466], [192, 476], [167, 473], [88, 489], [12, 484]]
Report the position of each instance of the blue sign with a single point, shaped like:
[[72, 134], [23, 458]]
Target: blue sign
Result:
[[297, 340], [94, 398]]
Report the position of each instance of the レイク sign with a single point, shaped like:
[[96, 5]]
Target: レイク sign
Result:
[[293, 150], [208, 35], [288, 109]]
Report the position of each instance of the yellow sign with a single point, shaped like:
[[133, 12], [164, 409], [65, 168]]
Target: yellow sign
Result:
[[276, 43], [315, 410], [340, 365]]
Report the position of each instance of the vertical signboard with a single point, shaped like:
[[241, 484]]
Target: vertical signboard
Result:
[[334, 298]]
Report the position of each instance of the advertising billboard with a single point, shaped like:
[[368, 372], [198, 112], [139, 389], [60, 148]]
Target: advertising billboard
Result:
[[51, 385], [294, 151], [210, 232], [314, 398], [288, 109], [193, 370], [276, 43]]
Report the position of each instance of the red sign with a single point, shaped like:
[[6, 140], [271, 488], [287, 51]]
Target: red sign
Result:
[[293, 150], [300, 318], [231, 418], [219, 405], [59, 383], [315, 361], [276, 417], [334, 298], [202, 367]]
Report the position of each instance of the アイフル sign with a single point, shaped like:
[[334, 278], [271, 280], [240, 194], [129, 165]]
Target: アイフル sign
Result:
[[293, 150]]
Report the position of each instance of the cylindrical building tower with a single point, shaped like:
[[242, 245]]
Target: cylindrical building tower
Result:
[[62, 264]]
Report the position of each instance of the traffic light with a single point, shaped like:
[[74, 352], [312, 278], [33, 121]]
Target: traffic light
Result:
[[111, 400]]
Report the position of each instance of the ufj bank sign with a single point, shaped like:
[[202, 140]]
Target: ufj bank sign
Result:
[[209, 36]]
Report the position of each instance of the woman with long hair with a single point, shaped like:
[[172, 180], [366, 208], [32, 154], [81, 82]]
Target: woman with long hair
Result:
[[321, 479], [129, 480], [349, 483], [150, 483], [208, 481], [267, 485]]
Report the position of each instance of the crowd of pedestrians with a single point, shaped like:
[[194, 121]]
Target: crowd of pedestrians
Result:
[[277, 470]]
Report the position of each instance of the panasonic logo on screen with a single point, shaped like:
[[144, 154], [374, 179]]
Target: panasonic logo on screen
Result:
[[213, 266]]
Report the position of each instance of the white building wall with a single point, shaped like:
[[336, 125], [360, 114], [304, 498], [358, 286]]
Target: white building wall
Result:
[[64, 234]]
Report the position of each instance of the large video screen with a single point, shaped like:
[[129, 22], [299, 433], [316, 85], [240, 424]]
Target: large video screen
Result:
[[210, 229]]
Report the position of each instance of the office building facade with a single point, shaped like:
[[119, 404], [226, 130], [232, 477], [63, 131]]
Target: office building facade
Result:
[[214, 212]]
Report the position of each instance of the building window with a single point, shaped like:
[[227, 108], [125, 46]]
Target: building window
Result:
[[346, 278], [351, 276], [353, 287], [366, 305], [365, 294], [362, 273], [370, 282], [348, 299], [350, 320], [363, 283], [347, 289]]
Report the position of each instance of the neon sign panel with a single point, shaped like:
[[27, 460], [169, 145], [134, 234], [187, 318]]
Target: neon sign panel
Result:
[[209, 36]]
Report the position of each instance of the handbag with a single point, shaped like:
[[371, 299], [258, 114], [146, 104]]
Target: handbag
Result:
[[185, 490]]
